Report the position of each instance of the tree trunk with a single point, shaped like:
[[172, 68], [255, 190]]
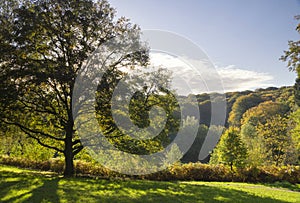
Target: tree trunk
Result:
[[69, 164]]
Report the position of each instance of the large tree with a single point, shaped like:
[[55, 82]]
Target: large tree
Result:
[[292, 56], [43, 45]]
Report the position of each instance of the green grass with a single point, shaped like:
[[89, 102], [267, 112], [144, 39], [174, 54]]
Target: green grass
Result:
[[19, 185]]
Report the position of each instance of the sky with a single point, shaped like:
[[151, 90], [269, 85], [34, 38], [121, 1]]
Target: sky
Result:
[[243, 39]]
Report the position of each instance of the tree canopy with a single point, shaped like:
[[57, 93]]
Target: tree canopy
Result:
[[241, 105], [230, 150], [292, 56], [43, 45]]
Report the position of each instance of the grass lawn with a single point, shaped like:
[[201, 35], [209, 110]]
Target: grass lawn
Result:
[[19, 185]]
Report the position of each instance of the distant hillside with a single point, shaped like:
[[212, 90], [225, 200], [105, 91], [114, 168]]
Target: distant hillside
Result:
[[283, 95], [237, 104]]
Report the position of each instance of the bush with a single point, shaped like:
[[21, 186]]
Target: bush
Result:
[[182, 172], [55, 165]]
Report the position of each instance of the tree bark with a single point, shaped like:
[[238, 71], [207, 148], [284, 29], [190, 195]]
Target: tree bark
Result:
[[68, 152], [69, 164]]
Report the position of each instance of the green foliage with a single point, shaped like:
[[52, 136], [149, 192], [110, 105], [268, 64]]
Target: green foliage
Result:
[[239, 102], [254, 144], [285, 95], [265, 132], [292, 56], [193, 153], [43, 45], [264, 111], [15, 143], [230, 150], [136, 116], [296, 130], [241, 105], [280, 148], [235, 100], [205, 112]]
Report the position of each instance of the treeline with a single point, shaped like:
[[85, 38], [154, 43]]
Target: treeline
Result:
[[261, 130]]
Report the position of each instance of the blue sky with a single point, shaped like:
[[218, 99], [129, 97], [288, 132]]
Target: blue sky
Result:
[[242, 38]]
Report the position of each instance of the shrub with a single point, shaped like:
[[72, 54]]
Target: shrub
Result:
[[190, 171]]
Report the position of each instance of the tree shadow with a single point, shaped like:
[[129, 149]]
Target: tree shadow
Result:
[[46, 189], [45, 193], [148, 191], [13, 181], [194, 193], [55, 189]]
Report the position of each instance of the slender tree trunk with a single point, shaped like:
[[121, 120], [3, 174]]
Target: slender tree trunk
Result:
[[297, 91], [231, 171]]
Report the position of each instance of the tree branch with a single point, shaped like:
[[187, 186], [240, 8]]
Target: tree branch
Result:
[[41, 143], [24, 128], [77, 149]]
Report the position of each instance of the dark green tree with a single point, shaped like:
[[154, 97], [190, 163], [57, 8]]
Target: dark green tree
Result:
[[43, 45]]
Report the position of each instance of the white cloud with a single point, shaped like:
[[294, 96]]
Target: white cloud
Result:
[[208, 79], [236, 79]]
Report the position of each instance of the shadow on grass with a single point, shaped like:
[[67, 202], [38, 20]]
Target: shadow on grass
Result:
[[28, 187], [45, 193], [148, 191], [54, 189]]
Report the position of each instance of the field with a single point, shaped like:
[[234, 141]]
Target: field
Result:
[[19, 185]]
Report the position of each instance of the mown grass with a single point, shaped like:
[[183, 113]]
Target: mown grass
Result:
[[19, 185]]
